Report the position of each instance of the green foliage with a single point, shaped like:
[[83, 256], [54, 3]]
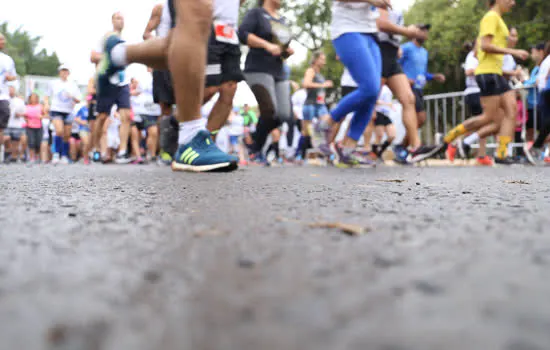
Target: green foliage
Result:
[[457, 21], [23, 48]]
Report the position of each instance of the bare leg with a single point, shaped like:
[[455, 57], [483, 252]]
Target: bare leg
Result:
[[124, 129], [509, 105], [367, 135], [152, 140], [482, 152], [97, 131], [45, 152], [399, 85], [151, 53], [85, 140], [73, 151], [222, 108], [135, 140], [187, 55]]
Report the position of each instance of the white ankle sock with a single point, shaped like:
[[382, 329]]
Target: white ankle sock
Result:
[[473, 138], [190, 129], [118, 55]]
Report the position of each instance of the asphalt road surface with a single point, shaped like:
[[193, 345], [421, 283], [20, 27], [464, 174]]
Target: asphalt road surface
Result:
[[126, 257]]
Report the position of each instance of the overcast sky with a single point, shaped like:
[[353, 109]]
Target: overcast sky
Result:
[[73, 27]]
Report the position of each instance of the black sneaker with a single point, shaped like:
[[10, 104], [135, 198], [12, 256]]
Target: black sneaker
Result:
[[505, 161], [425, 152], [123, 159], [463, 149]]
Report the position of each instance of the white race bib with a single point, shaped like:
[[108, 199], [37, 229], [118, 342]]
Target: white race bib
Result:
[[225, 33]]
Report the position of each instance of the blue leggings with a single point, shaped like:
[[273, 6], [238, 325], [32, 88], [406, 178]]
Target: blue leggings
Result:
[[361, 56]]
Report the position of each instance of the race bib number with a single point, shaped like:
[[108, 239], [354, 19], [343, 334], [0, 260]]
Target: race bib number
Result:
[[225, 33]]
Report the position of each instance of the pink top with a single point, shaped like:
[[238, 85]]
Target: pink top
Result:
[[33, 114]]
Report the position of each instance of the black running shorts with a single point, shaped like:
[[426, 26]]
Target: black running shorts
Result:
[[163, 90], [382, 120], [492, 84], [224, 63], [419, 97], [473, 102], [390, 66], [346, 90], [4, 113]]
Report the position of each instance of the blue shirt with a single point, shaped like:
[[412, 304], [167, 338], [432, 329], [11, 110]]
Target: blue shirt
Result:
[[82, 114], [414, 62], [532, 91]]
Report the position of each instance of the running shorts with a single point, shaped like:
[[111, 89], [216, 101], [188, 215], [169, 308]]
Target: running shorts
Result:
[[473, 102], [113, 95], [15, 133], [314, 111], [34, 136], [163, 90], [533, 114], [223, 64], [382, 120], [65, 117], [419, 97], [346, 90], [492, 84], [390, 65], [4, 113], [75, 136]]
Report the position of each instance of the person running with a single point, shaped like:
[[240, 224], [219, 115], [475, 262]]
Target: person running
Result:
[[92, 116], [83, 131], [16, 139], [299, 98], [534, 152], [63, 95], [414, 60], [7, 74], [148, 112], [495, 92], [472, 98], [113, 90], [383, 123], [392, 29], [267, 33], [34, 113], [354, 33], [186, 59], [163, 91], [314, 108]]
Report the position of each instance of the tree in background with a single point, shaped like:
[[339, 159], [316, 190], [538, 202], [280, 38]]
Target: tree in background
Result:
[[23, 48], [457, 21]]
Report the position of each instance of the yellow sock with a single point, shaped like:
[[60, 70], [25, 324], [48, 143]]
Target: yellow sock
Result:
[[454, 133], [502, 151]]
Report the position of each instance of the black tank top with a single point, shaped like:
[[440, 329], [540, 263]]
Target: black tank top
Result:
[[316, 96]]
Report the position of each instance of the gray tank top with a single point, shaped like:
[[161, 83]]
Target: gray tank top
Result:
[[316, 96], [396, 17]]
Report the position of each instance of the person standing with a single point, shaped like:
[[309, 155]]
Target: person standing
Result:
[[15, 132], [533, 114], [34, 112]]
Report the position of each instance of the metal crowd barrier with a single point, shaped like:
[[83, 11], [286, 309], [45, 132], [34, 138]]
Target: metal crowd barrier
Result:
[[445, 111]]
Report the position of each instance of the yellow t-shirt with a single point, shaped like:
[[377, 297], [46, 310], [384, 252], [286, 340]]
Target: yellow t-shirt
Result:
[[492, 24]]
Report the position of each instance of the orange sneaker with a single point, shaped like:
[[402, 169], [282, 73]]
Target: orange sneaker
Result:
[[451, 152], [484, 161], [547, 160]]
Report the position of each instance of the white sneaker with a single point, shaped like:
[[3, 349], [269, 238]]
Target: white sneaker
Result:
[[55, 159], [65, 160]]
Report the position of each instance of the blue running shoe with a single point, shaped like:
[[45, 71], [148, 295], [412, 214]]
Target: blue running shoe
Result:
[[202, 155], [401, 154]]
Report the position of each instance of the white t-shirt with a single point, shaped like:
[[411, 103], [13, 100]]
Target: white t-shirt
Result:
[[298, 102], [236, 127], [471, 84], [347, 79], [508, 63], [144, 103], [17, 106], [6, 66], [165, 21], [542, 80], [349, 17], [61, 95], [396, 17], [386, 96]]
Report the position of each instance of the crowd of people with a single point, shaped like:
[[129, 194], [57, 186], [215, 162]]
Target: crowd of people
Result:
[[181, 114]]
